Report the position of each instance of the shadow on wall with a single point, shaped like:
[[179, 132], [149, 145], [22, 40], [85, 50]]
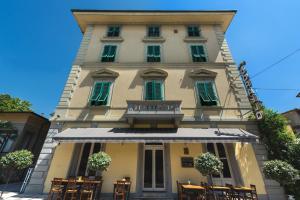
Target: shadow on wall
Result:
[[137, 80]]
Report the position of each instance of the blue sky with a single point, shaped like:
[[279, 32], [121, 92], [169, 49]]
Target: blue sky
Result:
[[39, 40]]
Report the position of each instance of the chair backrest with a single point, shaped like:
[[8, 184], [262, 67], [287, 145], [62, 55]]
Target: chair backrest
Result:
[[253, 188], [56, 183], [71, 184], [87, 185], [121, 186], [179, 189]]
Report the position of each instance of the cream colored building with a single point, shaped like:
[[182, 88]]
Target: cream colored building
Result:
[[153, 89]]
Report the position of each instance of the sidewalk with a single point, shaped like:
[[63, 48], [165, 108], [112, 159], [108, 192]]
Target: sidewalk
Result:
[[12, 193], [17, 196]]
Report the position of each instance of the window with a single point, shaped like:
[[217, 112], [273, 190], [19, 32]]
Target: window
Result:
[[153, 53], [6, 142], [100, 94], [193, 31], [113, 31], [109, 53], [198, 53], [86, 150], [154, 90], [153, 31], [206, 93], [219, 151]]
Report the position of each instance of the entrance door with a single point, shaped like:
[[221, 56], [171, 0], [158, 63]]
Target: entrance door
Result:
[[154, 176]]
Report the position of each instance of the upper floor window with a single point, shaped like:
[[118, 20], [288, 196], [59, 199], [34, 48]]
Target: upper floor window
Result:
[[220, 151], [109, 53], [193, 31], [153, 31], [153, 53], [154, 90], [206, 93], [198, 53], [101, 93], [113, 31]]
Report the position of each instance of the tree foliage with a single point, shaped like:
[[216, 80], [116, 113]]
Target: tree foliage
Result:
[[99, 161], [281, 171], [17, 160], [11, 104], [208, 164]]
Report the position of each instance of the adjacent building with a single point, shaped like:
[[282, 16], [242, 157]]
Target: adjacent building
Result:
[[294, 118], [153, 89], [22, 130]]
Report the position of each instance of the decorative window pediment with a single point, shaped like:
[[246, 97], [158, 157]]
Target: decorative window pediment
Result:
[[104, 73], [202, 73], [154, 73]]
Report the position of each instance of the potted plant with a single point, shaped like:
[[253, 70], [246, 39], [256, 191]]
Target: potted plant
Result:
[[99, 162], [208, 164], [281, 171], [17, 160]]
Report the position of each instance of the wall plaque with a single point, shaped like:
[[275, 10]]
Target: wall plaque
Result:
[[187, 162]]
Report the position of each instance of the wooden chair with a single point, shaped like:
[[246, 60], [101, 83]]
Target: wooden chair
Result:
[[120, 190], [180, 192], [87, 190], [253, 192], [56, 189], [71, 190]]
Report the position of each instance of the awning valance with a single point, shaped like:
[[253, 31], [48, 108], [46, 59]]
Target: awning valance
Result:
[[173, 135]]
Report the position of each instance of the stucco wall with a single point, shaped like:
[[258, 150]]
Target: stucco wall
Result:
[[248, 165], [60, 163], [183, 174], [132, 48], [130, 86], [124, 164]]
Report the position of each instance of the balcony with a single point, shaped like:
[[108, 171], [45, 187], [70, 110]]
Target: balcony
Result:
[[154, 111]]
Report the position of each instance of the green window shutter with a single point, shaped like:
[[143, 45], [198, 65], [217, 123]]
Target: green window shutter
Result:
[[109, 53], [158, 90], [104, 92], [210, 91], [198, 53], [96, 91], [149, 90], [202, 92]]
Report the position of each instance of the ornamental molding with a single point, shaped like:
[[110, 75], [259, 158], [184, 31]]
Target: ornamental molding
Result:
[[202, 73], [104, 73], [154, 73]]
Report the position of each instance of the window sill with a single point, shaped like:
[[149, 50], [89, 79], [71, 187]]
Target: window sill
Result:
[[209, 107], [112, 39], [154, 39], [102, 107], [195, 39]]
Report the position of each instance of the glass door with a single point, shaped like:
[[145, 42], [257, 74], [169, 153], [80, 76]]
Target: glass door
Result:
[[154, 176]]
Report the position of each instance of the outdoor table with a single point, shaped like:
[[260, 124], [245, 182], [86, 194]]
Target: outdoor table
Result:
[[79, 182], [220, 191], [192, 190], [128, 185]]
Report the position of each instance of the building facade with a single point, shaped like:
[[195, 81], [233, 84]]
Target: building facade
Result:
[[294, 117], [153, 89], [22, 130]]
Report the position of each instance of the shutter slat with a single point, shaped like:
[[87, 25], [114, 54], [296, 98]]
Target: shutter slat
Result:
[[210, 91], [96, 91], [202, 92]]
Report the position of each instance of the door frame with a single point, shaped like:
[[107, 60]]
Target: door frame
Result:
[[153, 148]]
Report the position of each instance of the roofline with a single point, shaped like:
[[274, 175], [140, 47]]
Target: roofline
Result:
[[149, 11], [26, 112], [293, 110]]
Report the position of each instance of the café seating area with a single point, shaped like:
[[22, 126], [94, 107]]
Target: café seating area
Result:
[[86, 188], [204, 191]]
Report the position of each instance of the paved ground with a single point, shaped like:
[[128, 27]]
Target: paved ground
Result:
[[17, 196], [12, 193]]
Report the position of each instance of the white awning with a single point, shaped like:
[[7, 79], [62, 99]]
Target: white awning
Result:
[[173, 135]]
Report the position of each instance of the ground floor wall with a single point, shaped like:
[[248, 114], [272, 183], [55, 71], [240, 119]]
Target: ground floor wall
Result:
[[128, 161]]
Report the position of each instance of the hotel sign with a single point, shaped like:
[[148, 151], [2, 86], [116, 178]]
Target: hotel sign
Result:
[[255, 102]]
